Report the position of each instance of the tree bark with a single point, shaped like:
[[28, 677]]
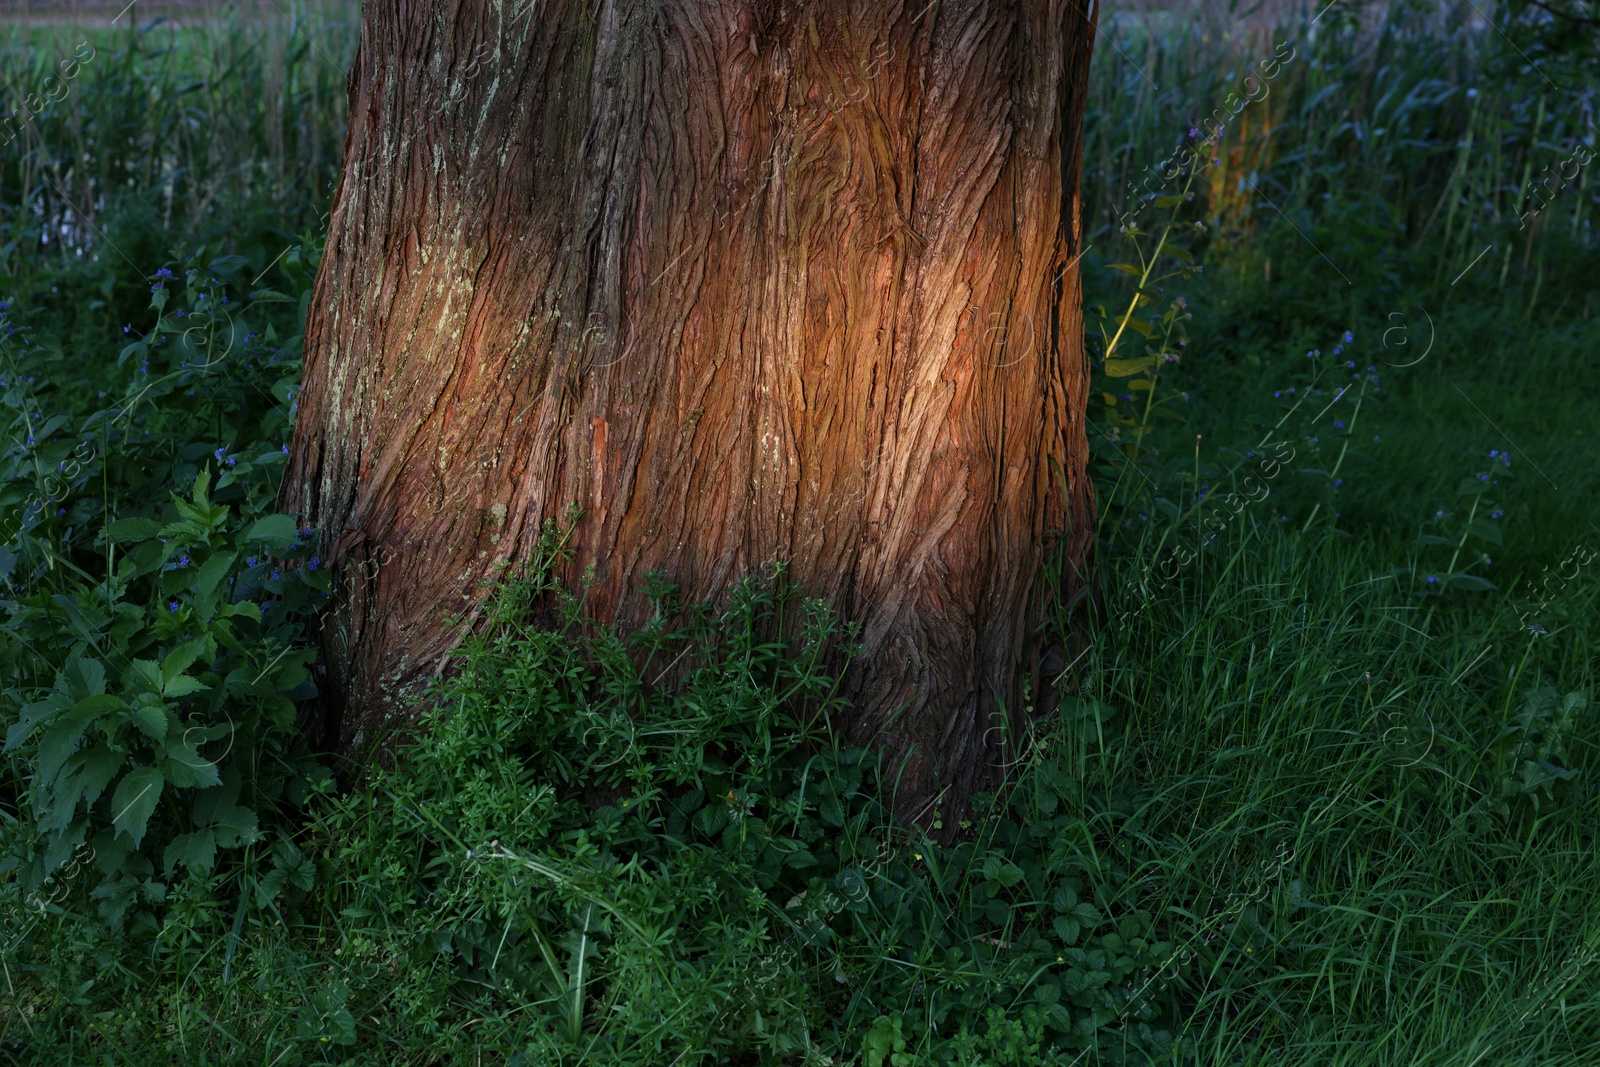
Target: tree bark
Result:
[[748, 281]]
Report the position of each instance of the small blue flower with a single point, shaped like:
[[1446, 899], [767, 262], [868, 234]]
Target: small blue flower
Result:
[[61, 511], [1431, 579], [180, 313], [274, 572], [313, 563], [1348, 337], [125, 329], [1338, 423], [1276, 393], [1375, 437], [232, 460], [1496, 514], [285, 449], [218, 454], [1337, 482], [1351, 364], [249, 561], [1439, 514], [163, 273], [172, 605]]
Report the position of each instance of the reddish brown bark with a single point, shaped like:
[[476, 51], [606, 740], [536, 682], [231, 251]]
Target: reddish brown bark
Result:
[[748, 281]]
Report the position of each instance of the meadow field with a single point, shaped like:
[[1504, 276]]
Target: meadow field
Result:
[[1322, 788]]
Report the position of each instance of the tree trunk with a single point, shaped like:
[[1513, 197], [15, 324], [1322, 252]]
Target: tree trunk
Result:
[[748, 281]]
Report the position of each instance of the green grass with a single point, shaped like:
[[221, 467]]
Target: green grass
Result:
[[1298, 803]]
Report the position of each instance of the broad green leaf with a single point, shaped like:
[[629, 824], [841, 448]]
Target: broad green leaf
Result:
[[276, 530], [84, 677], [134, 801], [154, 721], [1489, 531], [100, 765], [143, 675], [61, 740], [269, 296], [1470, 582], [180, 659], [196, 851], [185, 768], [1127, 268], [33, 714], [1122, 368], [202, 487], [133, 529], [183, 686], [210, 578]]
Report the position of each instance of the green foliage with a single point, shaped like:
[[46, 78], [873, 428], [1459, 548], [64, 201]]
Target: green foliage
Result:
[[1296, 804]]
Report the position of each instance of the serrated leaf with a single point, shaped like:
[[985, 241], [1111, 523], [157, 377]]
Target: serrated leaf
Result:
[[133, 529], [183, 686], [1067, 929], [134, 802], [180, 659], [196, 851], [61, 740], [270, 885], [83, 675], [202, 487], [153, 721], [143, 675], [184, 767], [99, 765], [32, 715]]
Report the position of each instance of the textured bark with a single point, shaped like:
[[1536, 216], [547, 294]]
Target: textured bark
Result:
[[747, 281]]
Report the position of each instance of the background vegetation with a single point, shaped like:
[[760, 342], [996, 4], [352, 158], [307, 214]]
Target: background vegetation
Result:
[[1321, 791]]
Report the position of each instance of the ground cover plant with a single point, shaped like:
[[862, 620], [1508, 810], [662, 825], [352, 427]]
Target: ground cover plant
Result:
[[1319, 790]]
